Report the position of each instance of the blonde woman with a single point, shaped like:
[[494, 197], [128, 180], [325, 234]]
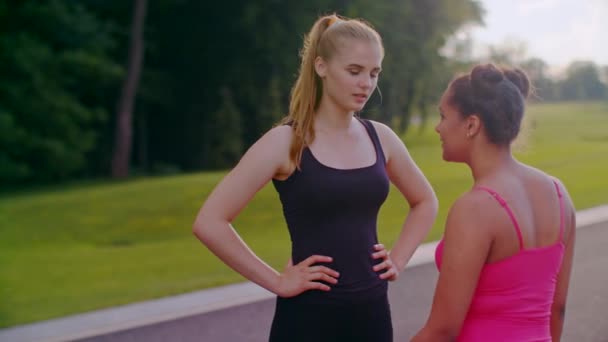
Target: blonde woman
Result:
[[332, 171]]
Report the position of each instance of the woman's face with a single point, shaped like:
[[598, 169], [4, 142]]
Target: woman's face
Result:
[[351, 75], [452, 129]]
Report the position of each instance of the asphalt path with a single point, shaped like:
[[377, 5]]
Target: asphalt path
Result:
[[410, 299]]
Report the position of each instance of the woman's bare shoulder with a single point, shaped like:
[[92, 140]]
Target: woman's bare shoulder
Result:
[[475, 209], [280, 132]]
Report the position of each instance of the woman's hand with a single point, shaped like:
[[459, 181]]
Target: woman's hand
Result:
[[391, 272], [296, 279]]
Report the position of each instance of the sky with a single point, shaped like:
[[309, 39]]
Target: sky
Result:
[[557, 31]]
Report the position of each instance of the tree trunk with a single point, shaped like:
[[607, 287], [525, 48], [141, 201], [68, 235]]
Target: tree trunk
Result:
[[405, 107], [124, 121], [143, 142]]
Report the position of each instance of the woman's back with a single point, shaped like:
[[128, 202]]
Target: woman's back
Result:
[[516, 287], [533, 199]]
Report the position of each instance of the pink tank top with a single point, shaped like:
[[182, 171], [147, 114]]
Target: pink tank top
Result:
[[513, 298]]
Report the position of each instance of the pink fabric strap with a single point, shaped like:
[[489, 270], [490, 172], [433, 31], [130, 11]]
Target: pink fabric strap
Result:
[[561, 211], [504, 204]]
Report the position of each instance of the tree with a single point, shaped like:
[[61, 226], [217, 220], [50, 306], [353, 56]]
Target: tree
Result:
[[582, 82], [414, 33], [56, 74], [123, 137], [604, 79], [545, 89], [61, 63], [224, 143], [511, 52]]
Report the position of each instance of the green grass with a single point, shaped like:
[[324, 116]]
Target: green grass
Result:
[[103, 244]]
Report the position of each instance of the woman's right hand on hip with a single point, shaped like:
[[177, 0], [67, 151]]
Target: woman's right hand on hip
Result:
[[305, 276]]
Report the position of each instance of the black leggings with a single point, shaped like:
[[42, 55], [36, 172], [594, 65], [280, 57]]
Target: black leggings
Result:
[[296, 320]]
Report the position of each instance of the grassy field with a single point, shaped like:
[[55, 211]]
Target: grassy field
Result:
[[104, 244]]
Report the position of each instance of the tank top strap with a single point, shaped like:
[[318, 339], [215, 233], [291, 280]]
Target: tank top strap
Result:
[[371, 130], [504, 204], [562, 214]]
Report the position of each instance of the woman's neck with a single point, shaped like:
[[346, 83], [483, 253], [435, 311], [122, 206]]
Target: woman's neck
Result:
[[488, 160], [330, 117]]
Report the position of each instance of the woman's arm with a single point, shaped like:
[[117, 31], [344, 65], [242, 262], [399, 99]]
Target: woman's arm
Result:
[[266, 158], [558, 309], [416, 189], [467, 243]]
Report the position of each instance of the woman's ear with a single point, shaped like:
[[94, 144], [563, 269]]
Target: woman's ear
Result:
[[473, 125], [320, 66]]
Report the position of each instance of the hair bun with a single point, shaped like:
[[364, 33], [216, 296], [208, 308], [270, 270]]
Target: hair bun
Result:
[[520, 79], [484, 79]]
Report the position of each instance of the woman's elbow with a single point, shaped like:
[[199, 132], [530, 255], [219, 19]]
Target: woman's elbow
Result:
[[430, 205], [558, 310], [201, 229], [198, 229], [434, 204]]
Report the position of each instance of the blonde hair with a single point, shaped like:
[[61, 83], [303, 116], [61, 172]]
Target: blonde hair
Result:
[[322, 41]]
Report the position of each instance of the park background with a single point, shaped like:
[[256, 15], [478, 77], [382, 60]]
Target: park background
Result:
[[117, 118]]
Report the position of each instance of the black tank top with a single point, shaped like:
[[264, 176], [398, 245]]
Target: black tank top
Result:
[[333, 212]]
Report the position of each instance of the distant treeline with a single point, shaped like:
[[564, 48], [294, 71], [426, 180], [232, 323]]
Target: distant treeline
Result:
[[580, 82]]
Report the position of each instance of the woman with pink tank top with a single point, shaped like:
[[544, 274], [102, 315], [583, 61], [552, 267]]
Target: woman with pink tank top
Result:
[[506, 255]]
